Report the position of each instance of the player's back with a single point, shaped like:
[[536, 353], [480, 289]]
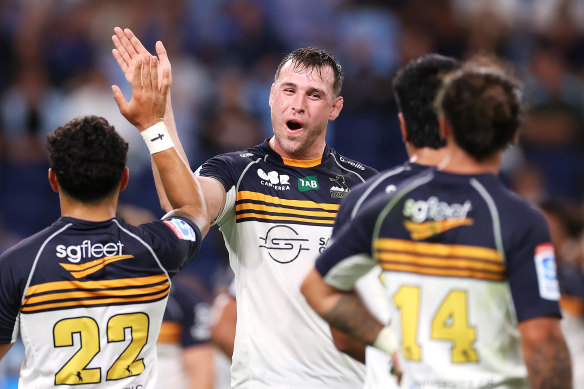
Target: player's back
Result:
[[89, 299], [465, 260]]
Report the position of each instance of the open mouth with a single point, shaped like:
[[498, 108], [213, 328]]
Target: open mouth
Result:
[[293, 125]]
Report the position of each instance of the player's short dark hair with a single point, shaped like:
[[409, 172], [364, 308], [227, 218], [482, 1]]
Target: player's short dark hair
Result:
[[415, 87], [314, 58], [483, 107], [88, 157]]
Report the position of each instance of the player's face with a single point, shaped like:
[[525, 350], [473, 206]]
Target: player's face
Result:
[[302, 103]]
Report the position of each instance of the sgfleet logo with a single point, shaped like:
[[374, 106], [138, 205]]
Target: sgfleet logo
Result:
[[352, 163], [283, 243], [434, 209], [76, 253], [432, 217], [274, 180]]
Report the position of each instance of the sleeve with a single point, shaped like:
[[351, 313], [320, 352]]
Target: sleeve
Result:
[[175, 240], [532, 272], [349, 256], [11, 290], [219, 168]]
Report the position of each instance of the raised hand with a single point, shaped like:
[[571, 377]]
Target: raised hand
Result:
[[148, 103], [128, 47]]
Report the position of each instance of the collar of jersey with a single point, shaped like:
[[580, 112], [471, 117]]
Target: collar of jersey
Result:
[[296, 162]]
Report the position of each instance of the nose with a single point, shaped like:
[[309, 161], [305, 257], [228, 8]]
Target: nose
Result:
[[298, 103]]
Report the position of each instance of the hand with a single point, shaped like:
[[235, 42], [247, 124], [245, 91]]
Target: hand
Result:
[[148, 102], [128, 47]]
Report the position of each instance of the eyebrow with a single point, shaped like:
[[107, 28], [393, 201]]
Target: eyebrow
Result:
[[309, 91]]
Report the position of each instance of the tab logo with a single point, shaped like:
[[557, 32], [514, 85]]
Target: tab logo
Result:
[[308, 183]]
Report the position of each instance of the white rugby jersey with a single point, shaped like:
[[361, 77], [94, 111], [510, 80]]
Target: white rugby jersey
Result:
[[87, 299], [277, 218]]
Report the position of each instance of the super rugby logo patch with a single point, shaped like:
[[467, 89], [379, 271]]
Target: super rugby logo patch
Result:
[[181, 229], [545, 266]]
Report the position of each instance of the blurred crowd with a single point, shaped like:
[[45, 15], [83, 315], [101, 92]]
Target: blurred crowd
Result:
[[56, 64]]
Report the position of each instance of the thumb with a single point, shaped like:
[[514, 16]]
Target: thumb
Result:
[[161, 53], [120, 100]]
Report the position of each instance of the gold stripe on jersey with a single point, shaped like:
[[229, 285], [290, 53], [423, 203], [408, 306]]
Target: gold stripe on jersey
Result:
[[287, 218], [266, 208], [419, 231], [91, 293], [170, 332], [81, 270], [247, 195], [100, 302], [440, 259], [254, 205], [302, 162]]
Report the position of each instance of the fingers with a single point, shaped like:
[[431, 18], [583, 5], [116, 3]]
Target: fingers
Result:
[[136, 81], [135, 42], [147, 74], [121, 61], [120, 100], [165, 82]]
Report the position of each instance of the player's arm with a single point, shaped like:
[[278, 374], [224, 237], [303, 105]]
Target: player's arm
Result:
[[4, 349], [545, 353], [198, 362], [127, 48], [224, 313], [144, 111]]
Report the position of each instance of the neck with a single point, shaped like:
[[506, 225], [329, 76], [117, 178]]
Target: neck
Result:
[[315, 151], [459, 162], [427, 156], [100, 210]]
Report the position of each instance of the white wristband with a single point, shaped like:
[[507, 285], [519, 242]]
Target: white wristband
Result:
[[386, 340], [157, 138]]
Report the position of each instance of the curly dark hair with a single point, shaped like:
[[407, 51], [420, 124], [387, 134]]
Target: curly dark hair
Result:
[[483, 107], [314, 58], [88, 157], [415, 87]]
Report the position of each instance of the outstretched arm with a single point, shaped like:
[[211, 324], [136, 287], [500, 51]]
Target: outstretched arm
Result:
[[144, 111], [127, 48], [546, 354]]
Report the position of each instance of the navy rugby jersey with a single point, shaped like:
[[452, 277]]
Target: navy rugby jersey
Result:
[[87, 298], [385, 182], [278, 217], [464, 261]]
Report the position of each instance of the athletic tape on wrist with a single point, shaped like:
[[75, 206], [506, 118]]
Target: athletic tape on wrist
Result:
[[386, 340], [157, 138]]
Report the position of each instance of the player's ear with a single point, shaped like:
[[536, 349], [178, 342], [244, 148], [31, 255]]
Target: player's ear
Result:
[[336, 108], [271, 99], [403, 127], [444, 127], [125, 178], [53, 180]]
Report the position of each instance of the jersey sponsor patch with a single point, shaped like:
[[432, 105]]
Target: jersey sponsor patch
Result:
[[545, 266], [181, 229]]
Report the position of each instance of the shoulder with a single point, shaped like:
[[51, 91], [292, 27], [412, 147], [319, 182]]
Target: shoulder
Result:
[[351, 165]]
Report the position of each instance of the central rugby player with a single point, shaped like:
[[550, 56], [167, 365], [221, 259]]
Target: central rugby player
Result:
[[275, 205]]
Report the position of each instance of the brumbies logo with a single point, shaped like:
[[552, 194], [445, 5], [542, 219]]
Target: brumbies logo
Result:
[[274, 180], [283, 244], [341, 189]]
